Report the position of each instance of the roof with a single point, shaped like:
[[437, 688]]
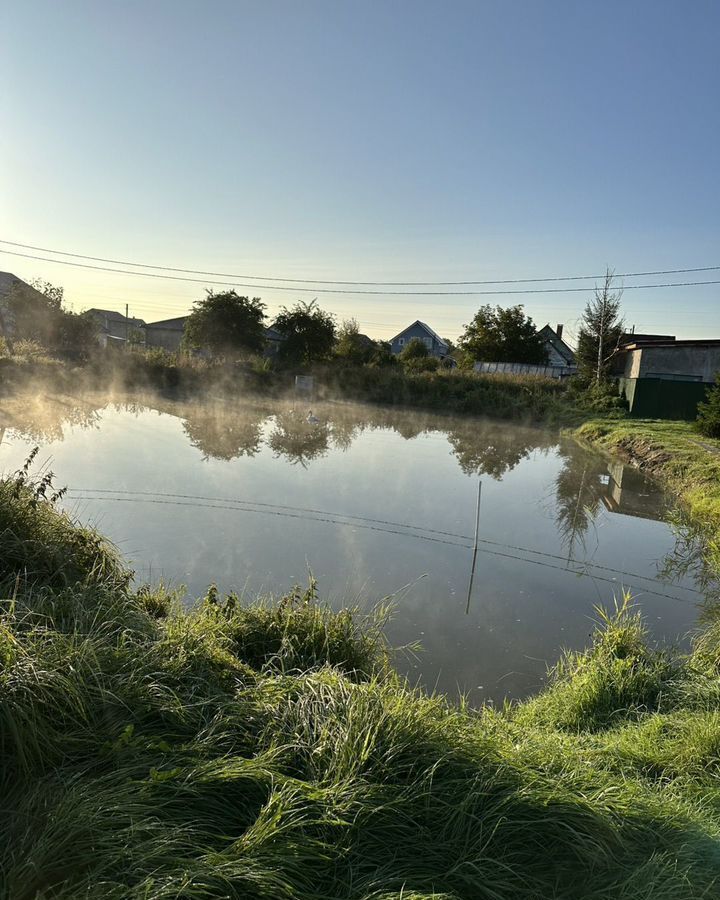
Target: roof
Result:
[[8, 281], [427, 328], [272, 334], [176, 324], [632, 337], [650, 345], [558, 344], [113, 316]]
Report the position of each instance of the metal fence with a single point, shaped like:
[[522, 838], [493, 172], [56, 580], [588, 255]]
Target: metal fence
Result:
[[503, 368]]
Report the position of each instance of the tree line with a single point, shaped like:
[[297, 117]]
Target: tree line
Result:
[[230, 325]]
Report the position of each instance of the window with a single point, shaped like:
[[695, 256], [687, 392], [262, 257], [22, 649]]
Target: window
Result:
[[401, 341]]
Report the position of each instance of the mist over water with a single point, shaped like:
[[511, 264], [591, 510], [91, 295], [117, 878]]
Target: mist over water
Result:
[[374, 502]]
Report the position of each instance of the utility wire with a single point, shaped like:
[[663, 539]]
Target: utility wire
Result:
[[334, 517], [274, 287], [120, 262]]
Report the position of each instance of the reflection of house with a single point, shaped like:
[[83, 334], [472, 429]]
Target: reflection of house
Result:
[[630, 493], [167, 334], [114, 326], [435, 344], [666, 379]]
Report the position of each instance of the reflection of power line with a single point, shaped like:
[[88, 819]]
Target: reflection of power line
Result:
[[274, 512], [292, 512], [273, 506]]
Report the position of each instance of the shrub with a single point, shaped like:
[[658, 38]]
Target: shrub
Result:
[[708, 418]]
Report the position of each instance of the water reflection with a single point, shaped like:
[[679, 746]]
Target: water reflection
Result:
[[372, 499]]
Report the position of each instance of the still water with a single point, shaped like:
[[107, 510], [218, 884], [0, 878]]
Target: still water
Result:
[[374, 502]]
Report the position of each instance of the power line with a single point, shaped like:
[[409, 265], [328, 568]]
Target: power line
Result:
[[120, 262], [273, 287]]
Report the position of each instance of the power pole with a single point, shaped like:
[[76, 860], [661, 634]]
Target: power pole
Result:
[[127, 325]]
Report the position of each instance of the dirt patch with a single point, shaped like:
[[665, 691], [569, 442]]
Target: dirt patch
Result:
[[642, 453]]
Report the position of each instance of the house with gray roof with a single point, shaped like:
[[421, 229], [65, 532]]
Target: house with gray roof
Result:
[[167, 333], [432, 340], [558, 352], [114, 326]]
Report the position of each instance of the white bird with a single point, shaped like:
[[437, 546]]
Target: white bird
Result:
[[311, 419]]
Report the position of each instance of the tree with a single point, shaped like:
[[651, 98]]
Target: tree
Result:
[[708, 418], [309, 333], [600, 332], [414, 349], [353, 346], [503, 335], [226, 323]]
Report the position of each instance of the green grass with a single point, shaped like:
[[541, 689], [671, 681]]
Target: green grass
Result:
[[268, 750], [677, 454]]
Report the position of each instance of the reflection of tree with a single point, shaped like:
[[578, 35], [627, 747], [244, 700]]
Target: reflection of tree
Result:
[[298, 440], [224, 432], [489, 449], [42, 419], [578, 491], [694, 556]]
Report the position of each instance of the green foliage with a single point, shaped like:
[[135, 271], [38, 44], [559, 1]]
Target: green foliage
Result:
[[226, 323], [503, 335], [600, 332], [708, 417], [352, 346], [414, 349], [309, 333]]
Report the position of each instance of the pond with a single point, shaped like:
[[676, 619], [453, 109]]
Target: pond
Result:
[[374, 502]]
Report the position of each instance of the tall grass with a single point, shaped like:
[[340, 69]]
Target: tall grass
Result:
[[268, 751]]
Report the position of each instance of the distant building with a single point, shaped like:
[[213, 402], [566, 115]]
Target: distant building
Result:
[[8, 284], [273, 341], [559, 353], [435, 344], [114, 326], [667, 379], [166, 334]]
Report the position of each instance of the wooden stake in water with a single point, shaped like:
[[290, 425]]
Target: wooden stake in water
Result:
[[475, 548]]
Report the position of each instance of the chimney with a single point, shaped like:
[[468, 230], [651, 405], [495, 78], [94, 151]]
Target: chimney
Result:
[[559, 331]]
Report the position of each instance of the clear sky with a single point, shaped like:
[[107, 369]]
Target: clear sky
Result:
[[404, 141]]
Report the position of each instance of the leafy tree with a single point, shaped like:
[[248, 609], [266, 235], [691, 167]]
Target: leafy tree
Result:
[[226, 323], [309, 333], [76, 333], [600, 332], [382, 355], [708, 418], [351, 345], [503, 335]]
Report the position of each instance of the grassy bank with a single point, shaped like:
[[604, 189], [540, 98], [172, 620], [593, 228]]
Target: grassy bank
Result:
[[521, 398], [677, 454], [268, 751]]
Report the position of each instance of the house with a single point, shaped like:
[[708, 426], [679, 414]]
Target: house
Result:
[[166, 334], [435, 344], [114, 326], [10, 283], [560, 364], [273, 340], [667, 379], [558, 352]]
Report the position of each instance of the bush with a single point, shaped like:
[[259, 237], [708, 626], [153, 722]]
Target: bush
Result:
[[708, 418]]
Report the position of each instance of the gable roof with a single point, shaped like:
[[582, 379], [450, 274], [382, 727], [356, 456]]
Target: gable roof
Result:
[[8, 281], [558, 344], [176, 324], [433, 334], [110, 315]]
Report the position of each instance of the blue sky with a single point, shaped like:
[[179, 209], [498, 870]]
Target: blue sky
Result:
[[367, 141]]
